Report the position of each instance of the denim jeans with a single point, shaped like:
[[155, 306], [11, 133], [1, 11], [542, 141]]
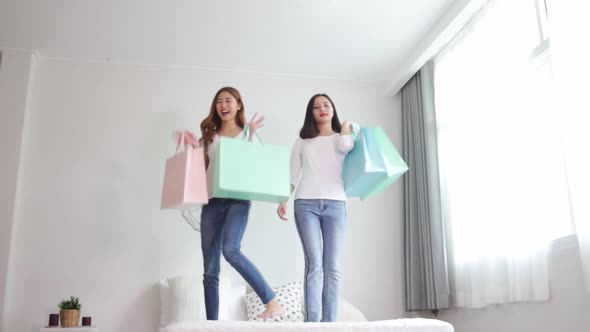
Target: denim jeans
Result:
[[320, 224], [223, 222]]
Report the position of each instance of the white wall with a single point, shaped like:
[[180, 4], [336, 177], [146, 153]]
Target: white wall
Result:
[[89, 222], [16, 69], [567, 309]]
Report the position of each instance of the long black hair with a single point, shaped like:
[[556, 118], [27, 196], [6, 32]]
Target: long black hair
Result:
[[310, 127]]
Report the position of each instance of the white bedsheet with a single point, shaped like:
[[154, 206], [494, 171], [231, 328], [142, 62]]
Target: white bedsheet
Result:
[[395, 325]]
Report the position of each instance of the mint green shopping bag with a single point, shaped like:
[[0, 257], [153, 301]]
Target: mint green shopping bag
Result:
[[251, 171]]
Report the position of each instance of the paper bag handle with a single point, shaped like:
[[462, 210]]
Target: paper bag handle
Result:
[[181, 141], [247, 131]]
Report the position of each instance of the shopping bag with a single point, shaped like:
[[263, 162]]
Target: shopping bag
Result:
[[251, 170], [372, 165], [185, 178], [396, 166], [364, 166]]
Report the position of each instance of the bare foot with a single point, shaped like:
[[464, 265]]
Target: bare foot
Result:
[[273, 309]]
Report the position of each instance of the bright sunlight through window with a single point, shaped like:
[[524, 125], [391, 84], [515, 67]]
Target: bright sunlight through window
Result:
[[500, 142]]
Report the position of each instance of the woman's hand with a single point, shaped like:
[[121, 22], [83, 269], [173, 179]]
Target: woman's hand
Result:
[[346, 128], [255, 124], [282, 211], [190, 138]]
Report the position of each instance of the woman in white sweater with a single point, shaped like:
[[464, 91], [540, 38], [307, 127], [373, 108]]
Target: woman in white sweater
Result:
[[320, 203]]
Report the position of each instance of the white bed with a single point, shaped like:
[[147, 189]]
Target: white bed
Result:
[[183, 310], [395, 325]]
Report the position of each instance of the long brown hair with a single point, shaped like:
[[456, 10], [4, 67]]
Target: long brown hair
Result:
[[310, 127], [211, 125]]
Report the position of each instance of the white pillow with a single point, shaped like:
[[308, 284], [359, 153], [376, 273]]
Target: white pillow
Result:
[[349, 313], [186, 300], [231, 304], [289, 296], [164, 301]]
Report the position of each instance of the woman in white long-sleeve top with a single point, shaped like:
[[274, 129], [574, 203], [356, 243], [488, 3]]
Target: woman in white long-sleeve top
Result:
[[320, 203]]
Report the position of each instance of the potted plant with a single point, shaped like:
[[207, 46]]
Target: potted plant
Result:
[[69, 313]]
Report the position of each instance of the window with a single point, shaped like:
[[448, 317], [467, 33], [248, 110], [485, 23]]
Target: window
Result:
[[502, 170]]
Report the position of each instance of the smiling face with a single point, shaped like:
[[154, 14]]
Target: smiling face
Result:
[[322, 110], [227, 106]]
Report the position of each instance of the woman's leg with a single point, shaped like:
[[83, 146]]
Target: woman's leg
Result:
[[233, 231], [333, 226], [212, 216], [307, 219]]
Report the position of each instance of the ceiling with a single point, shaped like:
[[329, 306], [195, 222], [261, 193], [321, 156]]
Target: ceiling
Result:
[[366, 40]]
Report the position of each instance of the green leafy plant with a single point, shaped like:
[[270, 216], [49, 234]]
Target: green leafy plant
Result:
[[72, 304]]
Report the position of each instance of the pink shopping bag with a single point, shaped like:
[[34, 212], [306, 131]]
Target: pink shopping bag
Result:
[[185, 178]]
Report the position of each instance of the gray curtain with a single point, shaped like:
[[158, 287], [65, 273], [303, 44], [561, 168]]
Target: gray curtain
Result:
[[425, 276]]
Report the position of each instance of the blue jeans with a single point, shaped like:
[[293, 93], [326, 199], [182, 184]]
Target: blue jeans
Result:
[[320, 224], [223, 222]]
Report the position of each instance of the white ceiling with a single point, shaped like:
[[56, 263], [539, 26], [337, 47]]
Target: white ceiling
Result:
[[344, 39]]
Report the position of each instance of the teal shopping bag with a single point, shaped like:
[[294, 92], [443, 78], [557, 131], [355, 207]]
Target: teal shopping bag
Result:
[[396, 166], [364, 166], [251, 171], [372, 165]]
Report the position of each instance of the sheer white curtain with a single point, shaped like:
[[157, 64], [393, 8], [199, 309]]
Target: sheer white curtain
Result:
[[569, 27], [504, 185]]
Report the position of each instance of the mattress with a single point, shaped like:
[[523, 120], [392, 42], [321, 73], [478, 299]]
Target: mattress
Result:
[[394, 325]]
